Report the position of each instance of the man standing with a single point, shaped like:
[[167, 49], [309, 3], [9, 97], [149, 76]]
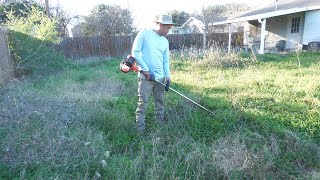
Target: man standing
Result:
[[151, 50]]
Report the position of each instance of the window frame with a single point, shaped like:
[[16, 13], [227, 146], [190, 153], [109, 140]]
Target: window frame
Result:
[[295, 25]]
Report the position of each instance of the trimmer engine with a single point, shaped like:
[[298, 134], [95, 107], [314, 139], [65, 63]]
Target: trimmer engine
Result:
[[128, 63]]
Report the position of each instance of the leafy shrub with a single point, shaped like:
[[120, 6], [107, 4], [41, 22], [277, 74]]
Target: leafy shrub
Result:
[[31, 38], [17, 8]]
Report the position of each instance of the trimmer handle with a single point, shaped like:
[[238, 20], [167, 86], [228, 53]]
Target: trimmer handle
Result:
[[151, 76]]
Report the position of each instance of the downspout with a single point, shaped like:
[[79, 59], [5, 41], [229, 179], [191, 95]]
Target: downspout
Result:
[[229, 43], [263, 34]]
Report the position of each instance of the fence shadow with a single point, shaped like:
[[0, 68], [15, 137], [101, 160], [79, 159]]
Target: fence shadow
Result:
[[232, 117]]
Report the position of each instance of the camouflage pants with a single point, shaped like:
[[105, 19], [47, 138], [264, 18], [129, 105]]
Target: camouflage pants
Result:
[[145, 89]]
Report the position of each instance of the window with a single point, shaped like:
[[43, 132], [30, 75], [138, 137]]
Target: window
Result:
[[295, 26]]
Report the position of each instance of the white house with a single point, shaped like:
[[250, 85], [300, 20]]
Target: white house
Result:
[[287, 24], [192, 25]]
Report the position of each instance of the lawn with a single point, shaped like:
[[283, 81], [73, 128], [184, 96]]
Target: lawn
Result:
[[78, 122]]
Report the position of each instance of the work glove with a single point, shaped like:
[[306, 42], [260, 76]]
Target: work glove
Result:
[[168, 82], [166, 88]]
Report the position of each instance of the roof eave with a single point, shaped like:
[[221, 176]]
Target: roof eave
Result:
[[265, 15]]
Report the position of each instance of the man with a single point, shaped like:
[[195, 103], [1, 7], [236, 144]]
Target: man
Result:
[[151, 50]]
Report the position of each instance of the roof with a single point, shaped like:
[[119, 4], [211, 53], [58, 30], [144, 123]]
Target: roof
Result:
[[278, 8], [195, 21]]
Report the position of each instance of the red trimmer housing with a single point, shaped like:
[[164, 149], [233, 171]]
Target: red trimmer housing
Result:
[[128, 63]]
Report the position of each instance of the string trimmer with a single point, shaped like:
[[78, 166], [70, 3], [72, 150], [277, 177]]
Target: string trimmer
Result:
[[129, 63]]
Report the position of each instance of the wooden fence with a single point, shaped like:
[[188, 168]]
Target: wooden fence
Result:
[[6, 64], [178, 41], [119, 46], [79, 47]]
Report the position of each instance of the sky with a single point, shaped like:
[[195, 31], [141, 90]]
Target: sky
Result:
[[144, 11]]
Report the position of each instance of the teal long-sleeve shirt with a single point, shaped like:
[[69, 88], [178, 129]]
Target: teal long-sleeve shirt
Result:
[[151, 51]]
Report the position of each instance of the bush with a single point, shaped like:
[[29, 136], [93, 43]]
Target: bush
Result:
[[31, 38]]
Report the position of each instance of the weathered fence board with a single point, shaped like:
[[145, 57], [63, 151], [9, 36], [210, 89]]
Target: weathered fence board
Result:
[[79, 47], [119, 46], [6, 64]]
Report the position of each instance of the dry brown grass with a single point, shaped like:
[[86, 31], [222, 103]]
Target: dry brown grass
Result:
[[231, 154], [48, 128]]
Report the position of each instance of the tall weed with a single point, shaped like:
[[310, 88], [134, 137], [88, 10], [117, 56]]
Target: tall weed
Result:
[[213, 57]]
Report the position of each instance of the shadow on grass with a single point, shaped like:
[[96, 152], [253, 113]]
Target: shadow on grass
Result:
[[277, 123]]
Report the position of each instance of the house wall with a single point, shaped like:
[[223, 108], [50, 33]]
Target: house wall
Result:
[[252, 35], [311, 27], [276, 30], [294, 40]]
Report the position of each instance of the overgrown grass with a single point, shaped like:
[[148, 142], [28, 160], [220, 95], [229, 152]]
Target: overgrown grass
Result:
[[79, 123]]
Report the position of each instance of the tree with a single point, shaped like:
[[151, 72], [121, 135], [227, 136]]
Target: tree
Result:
[[19, 8], [106, 20], [63, 20], [179, 17], [216, 13], [22, 8], [78, 29], [36, 25], [30, 37]]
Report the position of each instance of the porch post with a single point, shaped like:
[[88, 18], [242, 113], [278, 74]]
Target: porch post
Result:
[[204, 43], [263, 34], [229, 43]]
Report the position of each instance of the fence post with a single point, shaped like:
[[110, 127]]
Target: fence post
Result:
[[229, 42], [6, 63]]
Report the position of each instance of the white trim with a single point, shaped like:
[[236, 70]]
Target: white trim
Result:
[[266, 15], [263, 23]]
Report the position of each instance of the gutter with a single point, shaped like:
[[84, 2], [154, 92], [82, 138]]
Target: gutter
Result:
[[266, 15]]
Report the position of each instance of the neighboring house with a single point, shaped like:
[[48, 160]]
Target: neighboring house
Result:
[[195, 25], [187, 34], [283, 25], [180, 30], [191, 26]]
